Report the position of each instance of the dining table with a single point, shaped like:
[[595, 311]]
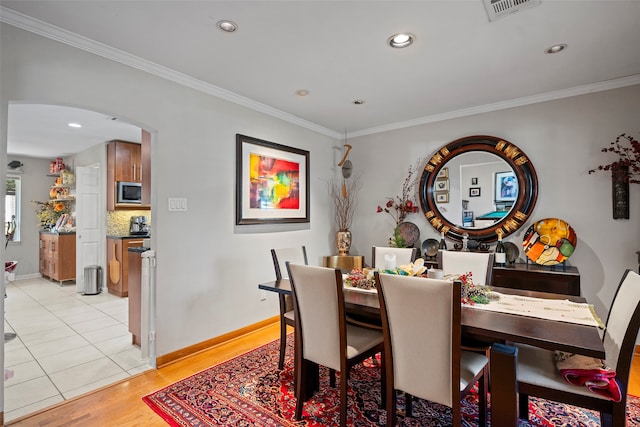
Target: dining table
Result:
[[500, 330]]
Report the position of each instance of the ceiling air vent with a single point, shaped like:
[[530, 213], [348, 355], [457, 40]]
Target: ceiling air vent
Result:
[[500, 8]]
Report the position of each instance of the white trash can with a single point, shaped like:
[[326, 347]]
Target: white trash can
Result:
[[92, 280]]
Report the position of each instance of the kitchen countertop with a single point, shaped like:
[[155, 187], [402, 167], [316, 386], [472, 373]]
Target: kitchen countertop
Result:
[[128, 236]]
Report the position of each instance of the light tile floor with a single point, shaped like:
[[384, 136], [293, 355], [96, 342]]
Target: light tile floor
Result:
[[67, 344]]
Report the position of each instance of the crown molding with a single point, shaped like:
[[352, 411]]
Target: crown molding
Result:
[[58, 34], [72, 39], [503, 105]]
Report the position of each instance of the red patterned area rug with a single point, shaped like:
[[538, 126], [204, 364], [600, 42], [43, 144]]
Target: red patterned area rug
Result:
[[250, 391]]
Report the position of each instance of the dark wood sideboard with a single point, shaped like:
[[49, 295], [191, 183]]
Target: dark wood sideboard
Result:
[[557, 279]]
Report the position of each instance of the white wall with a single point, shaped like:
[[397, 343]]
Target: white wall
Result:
[[563, 139], [208, 271]]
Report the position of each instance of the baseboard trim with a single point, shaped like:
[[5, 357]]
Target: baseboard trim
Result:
[[206, 345]]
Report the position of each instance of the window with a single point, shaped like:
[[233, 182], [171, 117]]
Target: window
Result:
[[12, 209]]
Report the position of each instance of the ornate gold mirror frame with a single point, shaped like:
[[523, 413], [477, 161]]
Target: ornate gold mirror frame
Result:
[[515, 217]]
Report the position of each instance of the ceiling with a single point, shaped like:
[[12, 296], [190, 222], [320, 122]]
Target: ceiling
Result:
[[460, 64]]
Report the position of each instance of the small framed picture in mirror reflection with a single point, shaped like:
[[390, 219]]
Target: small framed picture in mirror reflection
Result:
[[443, 174], [442, 185], [442, 197], [474, 192]]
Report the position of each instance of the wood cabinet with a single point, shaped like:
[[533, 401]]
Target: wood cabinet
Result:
[[58, 256], [533, 277], [121, 287], [129, 162]]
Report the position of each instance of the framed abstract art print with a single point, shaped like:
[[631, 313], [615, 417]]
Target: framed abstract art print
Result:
[[272, 182]]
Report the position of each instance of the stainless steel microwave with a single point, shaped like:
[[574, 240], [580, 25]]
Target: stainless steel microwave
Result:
[[129, 192]]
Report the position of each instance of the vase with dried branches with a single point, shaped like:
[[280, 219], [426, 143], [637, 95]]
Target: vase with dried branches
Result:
[[343, 192]]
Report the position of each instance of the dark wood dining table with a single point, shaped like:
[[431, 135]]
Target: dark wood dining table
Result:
[[502, 330]]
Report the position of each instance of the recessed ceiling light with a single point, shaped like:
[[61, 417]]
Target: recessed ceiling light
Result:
[[401, 40], [302, 92], [556, 48], [227, 26], [74, 125], [358, 101]]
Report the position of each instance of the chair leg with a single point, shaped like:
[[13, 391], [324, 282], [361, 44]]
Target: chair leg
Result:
[[383, 380], [301, 386], [523, 406], [408, 403], [332, 378], [283, 343], [343, 399], [483, 386], [391, 406]]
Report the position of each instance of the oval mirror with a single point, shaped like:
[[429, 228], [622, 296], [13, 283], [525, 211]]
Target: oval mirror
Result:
[[478, 185]]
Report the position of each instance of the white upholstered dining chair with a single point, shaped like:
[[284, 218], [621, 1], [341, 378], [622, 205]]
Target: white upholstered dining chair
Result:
[[480, 264], [323, 336], [297, 255], [422, 332], [403, 256], [537, 374]]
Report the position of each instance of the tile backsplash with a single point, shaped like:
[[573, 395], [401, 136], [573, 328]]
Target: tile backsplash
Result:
[[118, 221]]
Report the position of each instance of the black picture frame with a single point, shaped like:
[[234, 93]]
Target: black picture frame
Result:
[[474, 192], [272, 182], [474, 181]]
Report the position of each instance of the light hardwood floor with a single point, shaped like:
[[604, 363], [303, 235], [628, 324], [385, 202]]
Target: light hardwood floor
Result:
[[121, 404]]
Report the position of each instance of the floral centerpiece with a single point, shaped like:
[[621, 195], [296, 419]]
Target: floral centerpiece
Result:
[[360, 279], [472, 293], [627, 167], [400, 206], [49, 212]]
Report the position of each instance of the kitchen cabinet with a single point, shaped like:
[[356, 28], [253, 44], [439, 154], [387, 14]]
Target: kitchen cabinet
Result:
[[129, 162], [121, 245], [58, 256]]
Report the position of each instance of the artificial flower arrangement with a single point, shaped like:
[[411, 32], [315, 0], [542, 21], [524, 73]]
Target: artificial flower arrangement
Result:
[[470, 293], [400, 206], [627, 167], [49, 212], [361, 279]]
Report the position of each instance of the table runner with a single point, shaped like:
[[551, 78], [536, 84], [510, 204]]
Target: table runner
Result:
[[550, 309]]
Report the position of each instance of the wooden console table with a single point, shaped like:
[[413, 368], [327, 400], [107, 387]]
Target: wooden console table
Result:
[[343, 262], [533, 277]]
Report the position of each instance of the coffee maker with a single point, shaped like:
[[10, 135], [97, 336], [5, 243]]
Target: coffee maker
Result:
[[138, 226]]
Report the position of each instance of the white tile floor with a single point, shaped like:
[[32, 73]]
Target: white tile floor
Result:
[[67, 344]]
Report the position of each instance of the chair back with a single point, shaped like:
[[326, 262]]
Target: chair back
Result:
[[622, 327], [296, 255], [480, 264], [318, 302], [422, 332], [403, 255]]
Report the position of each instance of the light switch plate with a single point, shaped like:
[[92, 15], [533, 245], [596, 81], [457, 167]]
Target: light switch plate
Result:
[[177, 204]]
